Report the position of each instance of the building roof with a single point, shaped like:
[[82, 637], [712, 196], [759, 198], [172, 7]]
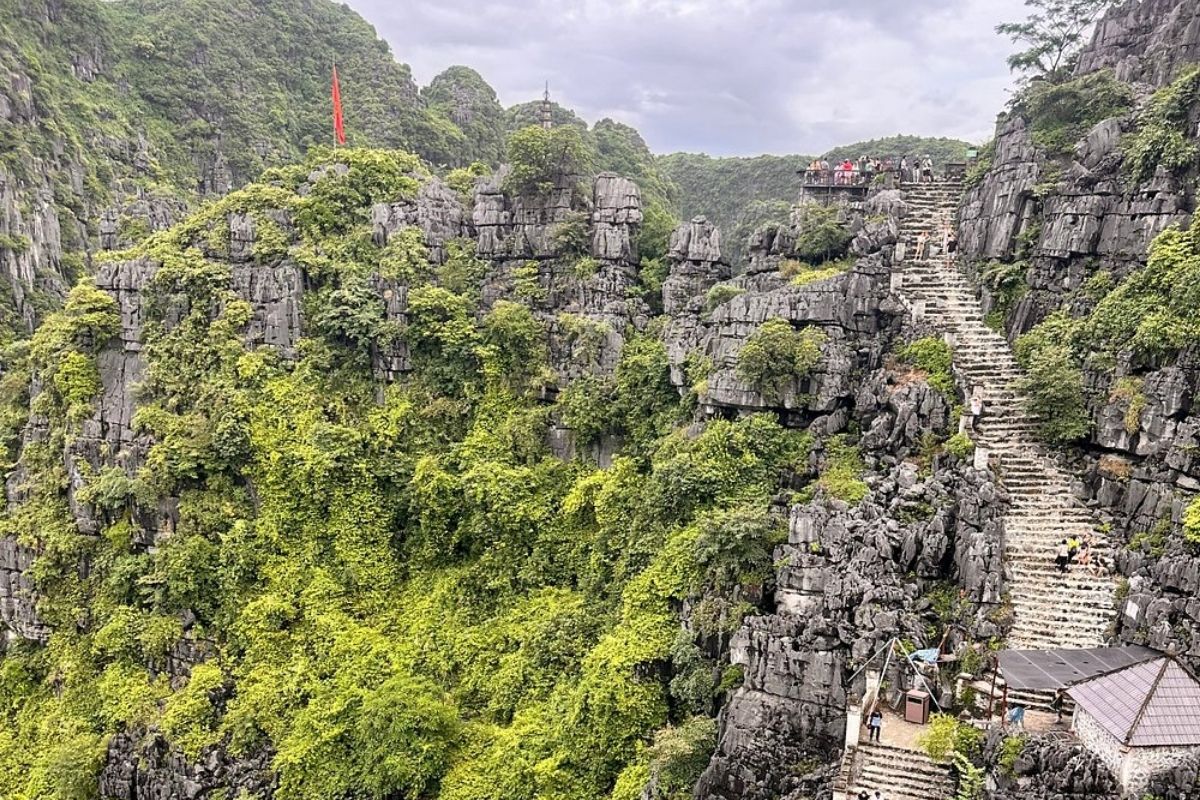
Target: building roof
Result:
[[1047, 670], [1152, 704]]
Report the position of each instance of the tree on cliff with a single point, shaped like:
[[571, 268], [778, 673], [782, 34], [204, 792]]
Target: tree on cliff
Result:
[[540, 156], [1053, 33]]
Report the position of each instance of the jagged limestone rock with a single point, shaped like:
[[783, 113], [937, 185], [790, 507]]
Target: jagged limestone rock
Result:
[[1146, 41], [144, 766], [1048, 768], [696, 266]]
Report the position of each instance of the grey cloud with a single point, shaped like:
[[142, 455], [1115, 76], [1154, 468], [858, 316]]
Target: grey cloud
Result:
[[727, 77]]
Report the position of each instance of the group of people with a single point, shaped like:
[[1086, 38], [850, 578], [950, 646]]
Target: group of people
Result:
[[849, 172], [1074, 550]]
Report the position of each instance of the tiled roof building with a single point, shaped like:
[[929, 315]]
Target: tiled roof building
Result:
[[1140, 719]]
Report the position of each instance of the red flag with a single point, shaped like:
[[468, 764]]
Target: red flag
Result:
[[339, 124]]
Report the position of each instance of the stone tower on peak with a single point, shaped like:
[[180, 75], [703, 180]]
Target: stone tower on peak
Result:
[[547, 109]]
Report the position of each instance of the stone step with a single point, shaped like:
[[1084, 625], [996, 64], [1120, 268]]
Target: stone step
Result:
[[1051, 609]]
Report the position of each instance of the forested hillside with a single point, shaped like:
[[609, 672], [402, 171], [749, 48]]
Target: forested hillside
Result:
[[739, 195]]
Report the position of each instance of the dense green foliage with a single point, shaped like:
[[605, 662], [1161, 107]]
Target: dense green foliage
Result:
[[408, 594], [461, 95], [940, 149], [1191, 521], [841, 475], [1146, 318], [1164, 130], [1060, 114], [725, 189], [1006, 284], [802, 273], [821, 234], [541, 157], [946, 736], [933, 356], [1052, 35], [1053, 380], [777, 356]]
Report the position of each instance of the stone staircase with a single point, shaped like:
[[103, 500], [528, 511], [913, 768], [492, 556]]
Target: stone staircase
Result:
[[1051, 610], [896, 773]]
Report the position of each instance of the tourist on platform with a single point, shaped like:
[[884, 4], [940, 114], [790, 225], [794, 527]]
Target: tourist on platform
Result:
[[848, 171], [875, 725], [903, 169], [1062, 556], [1016, 716], [927, 170]]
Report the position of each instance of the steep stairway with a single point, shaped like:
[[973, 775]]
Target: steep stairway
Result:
[[896, 773], [1051, 609]]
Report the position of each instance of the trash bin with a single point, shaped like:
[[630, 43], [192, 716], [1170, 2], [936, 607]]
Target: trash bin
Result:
[[916, 707]]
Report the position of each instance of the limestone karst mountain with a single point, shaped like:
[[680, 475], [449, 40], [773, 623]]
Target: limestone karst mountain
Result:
[[370, 478]]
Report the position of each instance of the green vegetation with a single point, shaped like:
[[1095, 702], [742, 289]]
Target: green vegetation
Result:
[[1052, 35], [841, 475], [960, 446], [1148, 316], [1010, 751], [735, 194], [418, 599], [1163, 137], [982, 166], [1053, 381], [1191, 522], [940, 149], [935, 358], [1154, 540], [947, 736], [540, 158], [777, 355], [1151, 312], [720, 294], [1129, 391], [820, 234], [461, 96], [1061, 113], [801, 273]]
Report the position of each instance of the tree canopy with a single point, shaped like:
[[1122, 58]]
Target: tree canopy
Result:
[[1052, 34]]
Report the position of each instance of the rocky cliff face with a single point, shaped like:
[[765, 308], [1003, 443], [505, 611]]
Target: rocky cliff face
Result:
[[1064, 220], [852, 575], [1145, 41]]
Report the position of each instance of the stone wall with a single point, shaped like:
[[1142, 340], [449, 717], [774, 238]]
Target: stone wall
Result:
[[1134, 767], [1099, 741]]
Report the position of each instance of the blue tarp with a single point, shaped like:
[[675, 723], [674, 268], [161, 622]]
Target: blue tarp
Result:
[[929, 656]]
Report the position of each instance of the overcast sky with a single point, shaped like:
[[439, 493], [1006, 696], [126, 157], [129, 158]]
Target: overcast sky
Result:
[[727, 77]]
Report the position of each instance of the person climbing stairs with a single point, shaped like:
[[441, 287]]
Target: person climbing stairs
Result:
[[1051, 609]]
